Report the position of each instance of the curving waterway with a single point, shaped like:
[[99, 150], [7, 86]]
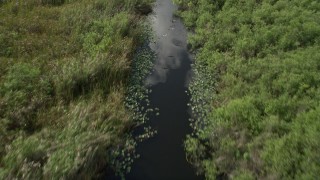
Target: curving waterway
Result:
[[162, 156]]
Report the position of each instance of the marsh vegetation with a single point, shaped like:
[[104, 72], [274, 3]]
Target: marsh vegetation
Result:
[[72, 87], [64, 77], [256, 93]]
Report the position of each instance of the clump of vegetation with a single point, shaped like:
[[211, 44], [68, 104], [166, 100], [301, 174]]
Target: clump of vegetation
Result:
[[64, 77], [256, 92]]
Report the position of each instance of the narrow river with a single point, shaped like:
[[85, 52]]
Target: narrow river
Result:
[[162, 157]]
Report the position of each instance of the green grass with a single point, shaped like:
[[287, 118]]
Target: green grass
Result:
[[256, 92], [64, 77]]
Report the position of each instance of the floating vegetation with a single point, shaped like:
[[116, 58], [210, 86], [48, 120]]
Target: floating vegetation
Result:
[[200, 89], [137, 101], [137, 95]]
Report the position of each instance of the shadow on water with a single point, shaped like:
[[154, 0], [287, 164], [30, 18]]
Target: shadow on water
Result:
[[163, 156]]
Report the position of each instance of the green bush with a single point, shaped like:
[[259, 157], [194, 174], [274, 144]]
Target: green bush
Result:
[[256, 88]]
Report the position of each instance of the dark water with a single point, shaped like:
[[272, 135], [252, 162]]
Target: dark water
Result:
[[163, 156]]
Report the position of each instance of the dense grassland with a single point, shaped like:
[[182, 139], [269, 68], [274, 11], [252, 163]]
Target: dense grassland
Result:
[[256, 93], [64, 67]]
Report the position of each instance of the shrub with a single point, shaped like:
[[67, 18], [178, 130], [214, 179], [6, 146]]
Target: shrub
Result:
[[259, 63]]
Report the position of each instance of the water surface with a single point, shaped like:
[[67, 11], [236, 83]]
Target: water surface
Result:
[[163, 157]]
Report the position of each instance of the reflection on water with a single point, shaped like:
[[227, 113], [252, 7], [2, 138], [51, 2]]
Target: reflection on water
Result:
[[170, 39]]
